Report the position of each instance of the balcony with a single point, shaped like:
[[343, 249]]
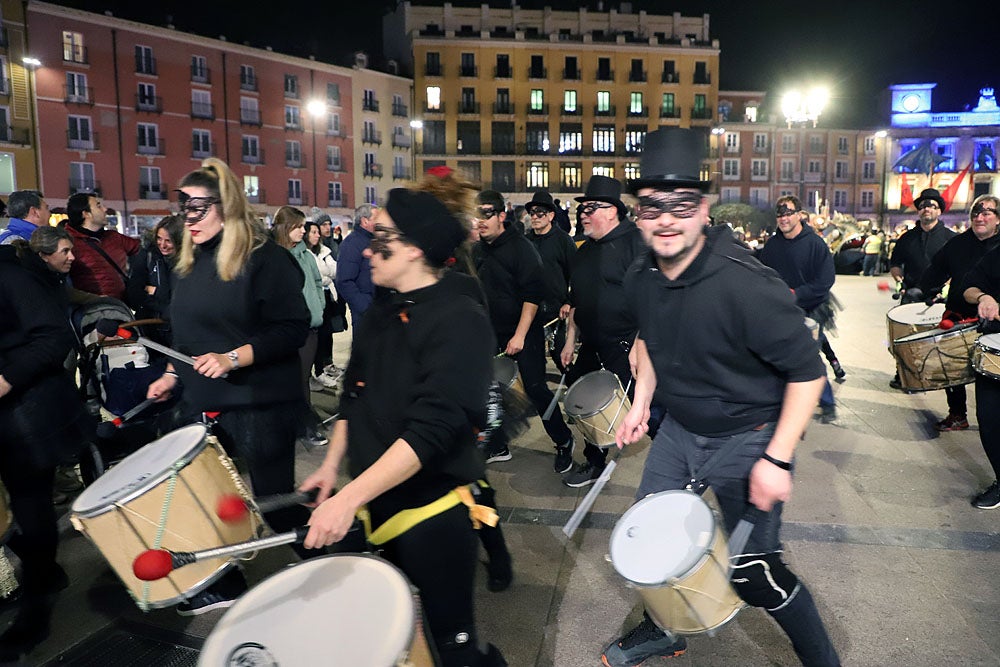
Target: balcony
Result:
[[502, 72], [639, 113], [670, 112], [335, 132], [845, 177], [759, 177], [637, 76], [432, 70], [254, 157], [606, 75], [202, 150], [733, 150], [534, 149], [20, 136], [504, 147], [152, 191], [703, 79], [669, 77], [297, 199], [78, 95], [575, 111], [338, 202], [248, 83], [604, 111], [373, 170], [204, 110], [762, 149], [293, 124], [468, 71], [866, 178], [250, 117], [372, 137], [468, 108], [500, 108], [571, 75], [295, 161], [151, 146], [817, 149], [401, 141], [334, 165], [200, 74], [257, 196], [145, 65], [401, 174], [84, 142], [83, 185], [5, 85], [813, 177], [73, 53], [291, 94], [438, 109], [538, 72], [538, 110], [152, 104], [701, 114], [400, 110], [369, 104]]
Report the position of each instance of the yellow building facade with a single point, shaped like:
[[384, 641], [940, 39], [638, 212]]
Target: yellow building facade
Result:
[[18, 117]]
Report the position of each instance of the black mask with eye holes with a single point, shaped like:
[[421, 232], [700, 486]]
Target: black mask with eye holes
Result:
[[678, 204], [194, 209]]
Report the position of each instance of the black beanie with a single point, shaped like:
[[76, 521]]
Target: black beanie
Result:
[[426, 223]]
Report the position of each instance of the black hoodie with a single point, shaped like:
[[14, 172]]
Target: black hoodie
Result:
[[725, 337]]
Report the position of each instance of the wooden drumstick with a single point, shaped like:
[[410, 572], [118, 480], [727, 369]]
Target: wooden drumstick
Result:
[[588, 501]]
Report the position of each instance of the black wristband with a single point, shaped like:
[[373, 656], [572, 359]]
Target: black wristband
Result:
[[784, 465]]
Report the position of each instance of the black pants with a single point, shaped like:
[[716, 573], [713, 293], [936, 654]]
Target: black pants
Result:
[[988, 414], [956, 400], [37, 537], [531, 363], [438, 556]]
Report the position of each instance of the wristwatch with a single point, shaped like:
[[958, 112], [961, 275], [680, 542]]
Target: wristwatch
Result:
[[235, 358]]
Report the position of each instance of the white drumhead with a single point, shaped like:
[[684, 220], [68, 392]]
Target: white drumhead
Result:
[[917, 313], [142, 469], [591, 393], [959, 329], [662, 536], [989, 342], [344, 609]]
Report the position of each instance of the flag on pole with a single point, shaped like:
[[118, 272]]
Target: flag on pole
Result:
[[949, 193], [905, 193]]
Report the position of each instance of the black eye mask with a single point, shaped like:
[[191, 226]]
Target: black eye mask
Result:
[[194, 209], [678, 204]]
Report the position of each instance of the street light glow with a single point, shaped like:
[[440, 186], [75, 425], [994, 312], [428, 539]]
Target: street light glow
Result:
[[316, 107], [416, 124], [31, 62], [881, 134], [804, 109]]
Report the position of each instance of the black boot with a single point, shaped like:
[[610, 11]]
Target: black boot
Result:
[[498, 566], [800, 620], [29, 629]]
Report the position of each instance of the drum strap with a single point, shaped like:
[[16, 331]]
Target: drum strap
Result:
[[406, 519], [697, 483]]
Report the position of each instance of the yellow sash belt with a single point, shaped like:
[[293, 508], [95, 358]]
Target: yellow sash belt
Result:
[[406, 519]]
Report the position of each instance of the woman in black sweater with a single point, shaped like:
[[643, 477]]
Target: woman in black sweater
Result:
[[149, 279], [237, 308]]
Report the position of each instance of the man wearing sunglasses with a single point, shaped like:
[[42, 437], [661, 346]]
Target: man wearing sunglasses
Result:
[[512, 277], [953, 262]]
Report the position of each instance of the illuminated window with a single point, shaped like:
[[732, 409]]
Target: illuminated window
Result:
[[603, 101], [631, 170], [571, 176], [667, 106], [570, 138], [537, 99], [604, 138], [635, 103], [251, 186], [569, 101], [634, 136], [538, 175], [433, 97], [601, 169], [73, 49], [750, 113]]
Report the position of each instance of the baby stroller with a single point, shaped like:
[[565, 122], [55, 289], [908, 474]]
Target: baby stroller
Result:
[[113, 377]]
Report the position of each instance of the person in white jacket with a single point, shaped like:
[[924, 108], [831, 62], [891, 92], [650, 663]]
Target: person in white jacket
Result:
[[326, 374]]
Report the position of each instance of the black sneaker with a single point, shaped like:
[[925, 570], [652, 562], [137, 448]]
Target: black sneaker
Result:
[[564, 457], [838, 370], [642, 642], [827, 414], [496, 455], [220, 595], [499, 572], [988, 499], [585, 474], [894, 383], [953, 423]]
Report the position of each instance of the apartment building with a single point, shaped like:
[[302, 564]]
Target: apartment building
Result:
[[521, 99], [18, 166]]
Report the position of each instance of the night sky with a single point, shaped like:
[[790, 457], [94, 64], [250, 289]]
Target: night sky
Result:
[[855, 47]]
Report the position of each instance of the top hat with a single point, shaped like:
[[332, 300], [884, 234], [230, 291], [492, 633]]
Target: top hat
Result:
[[930, 194], [541, 198], [671, 157], [605, 189]]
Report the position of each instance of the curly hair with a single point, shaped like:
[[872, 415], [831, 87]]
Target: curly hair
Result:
[[459, 197]]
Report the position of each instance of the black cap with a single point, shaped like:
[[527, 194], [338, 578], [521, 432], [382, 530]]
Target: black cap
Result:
[[426, 223]]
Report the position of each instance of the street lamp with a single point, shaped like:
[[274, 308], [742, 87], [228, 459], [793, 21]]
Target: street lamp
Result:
[[882, 135], [317, 109], [801, 110], [33, 64], [415, 125]]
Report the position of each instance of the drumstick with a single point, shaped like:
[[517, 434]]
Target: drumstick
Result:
[[154, 564], [231, 508], [107, 429], [741, 533], [621, 405], [110, 328], [588, 501], [555, 397]]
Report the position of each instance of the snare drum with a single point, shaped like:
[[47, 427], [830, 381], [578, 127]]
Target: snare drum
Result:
[[986, 355], [344, 609], [506, 372], [671, 547], [598, 405], [163, 497], [936, 359], [912, 318]]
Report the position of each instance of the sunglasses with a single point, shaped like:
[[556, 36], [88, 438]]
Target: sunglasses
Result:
[[195, 209], [927, 204], [682, 205], [588, 209], [485, 213], [979, 209]]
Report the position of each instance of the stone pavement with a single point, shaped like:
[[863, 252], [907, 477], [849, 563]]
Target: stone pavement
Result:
[[879, 526]]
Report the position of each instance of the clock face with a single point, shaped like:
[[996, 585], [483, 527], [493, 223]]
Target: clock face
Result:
[[911, 102]]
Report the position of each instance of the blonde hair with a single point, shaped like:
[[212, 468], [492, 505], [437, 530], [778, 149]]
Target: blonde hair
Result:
[[286, 219], [242, 232]]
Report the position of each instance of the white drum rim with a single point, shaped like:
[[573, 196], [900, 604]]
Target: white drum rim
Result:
[[934, 312], [984, 344], [691, 564], [934, 334], [137, 489], [252, 598], [582, 415]]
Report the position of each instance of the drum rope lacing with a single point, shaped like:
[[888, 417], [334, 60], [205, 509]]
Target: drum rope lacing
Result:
[[161, 528]]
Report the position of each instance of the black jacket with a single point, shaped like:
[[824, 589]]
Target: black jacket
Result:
[[511, 274], [914, 250], [420, 370], [724, 338], [262, 306], [804, 263], [955, 260], [556, 250]]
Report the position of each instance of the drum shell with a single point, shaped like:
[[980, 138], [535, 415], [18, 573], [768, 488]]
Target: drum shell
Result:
[[125, 528], [935, 359], [907, 319], [986, 356], [507, 373], [598, 424]]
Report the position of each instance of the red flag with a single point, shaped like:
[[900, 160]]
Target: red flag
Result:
[[905, 193], [949, 194]]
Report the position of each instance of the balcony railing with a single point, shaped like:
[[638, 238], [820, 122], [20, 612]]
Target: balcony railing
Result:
[[845, 177], [400, 110], [156, 191], [733, 150], [813, 177], [575, 111], [152, 104], [338, 202], [606, 75], [146, 147], [432, 70], [605, 111], [291, 94], [571, 74], [468, 70], [254, 158], [293, 124], [703, 79], [86, 143], [502, 72], [762, 149], [83, 185], [250, 117], [78, 95], [670, 112], [200, 150], [295, 161], [201, 74], [538, 72], [501, 147], [503, 108], [669, 77], [248, 83], [701, 114], [334, 165], [203, 110], [257, 196], [335, 132], [539, 110], [438, 109], [20, 136], [401, 173], [369, 104], [75, 54], [637, 76], [468, 107], [298, 199], [401, 141], [372, 137], [639, 113], [145, 65], [373, 170]]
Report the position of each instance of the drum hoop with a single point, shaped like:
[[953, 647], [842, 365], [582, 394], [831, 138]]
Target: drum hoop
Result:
[[909, 324], [149, 483], [985, 347], [581, 415], [921, 336]]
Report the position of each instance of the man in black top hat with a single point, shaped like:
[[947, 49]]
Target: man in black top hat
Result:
[[512, 277], [747, 397], [556, 249], [599, 317]]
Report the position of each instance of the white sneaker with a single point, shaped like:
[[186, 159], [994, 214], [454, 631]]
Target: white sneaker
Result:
[[328, 381], [333, 369], [316, 385]]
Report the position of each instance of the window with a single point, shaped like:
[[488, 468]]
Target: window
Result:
[[468, 137], [249, 113], [759, 198], [701, 74], [730, 169], [538, 175], [571, 176], [631, 170], [537, 70], [248, 77], [946, 149], [434, 137], [634, 136], [81, 177], [201, 104], [537, 99], [667, 106], [76, 87], [729, 194], [788, 143], [759, 142], [503, 101], [399, 169], [433, 98], [146, 98], [604, 138], [986, 159], [470, 170], [333, 124], [371, 196], [570, 138], [602, 169], [294, 191], [293, 119], [368, 101], [732, 142], [840, 169], [432, 64], [503, 66], [569, 102], [787, 170], [148, 138], [201, 143], [292, 86], [333, 94], [635, 104], [815, 167], [468, 65], [398, 106], [145, 63], [251, 186], [73, 49], [604, 72], [840, 199], [869, 145], [199, 69], [333, 158], [570, 71], [815, 144], [335, 193], [636, 73], [293, 154], [503, 176], [811, 199], [502, 139], [669, 72], [251, 149], [699, 110], [468, 104], [758, 169], [79, 133], [867, 199], [868, 170], [150, 186], [537, 135], [842, 145]]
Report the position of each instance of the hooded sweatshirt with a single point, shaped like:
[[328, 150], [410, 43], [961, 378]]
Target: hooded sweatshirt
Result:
[[725, 337], [805, 264]]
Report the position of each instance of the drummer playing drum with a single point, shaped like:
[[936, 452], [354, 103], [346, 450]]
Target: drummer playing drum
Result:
[[753, 395]]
